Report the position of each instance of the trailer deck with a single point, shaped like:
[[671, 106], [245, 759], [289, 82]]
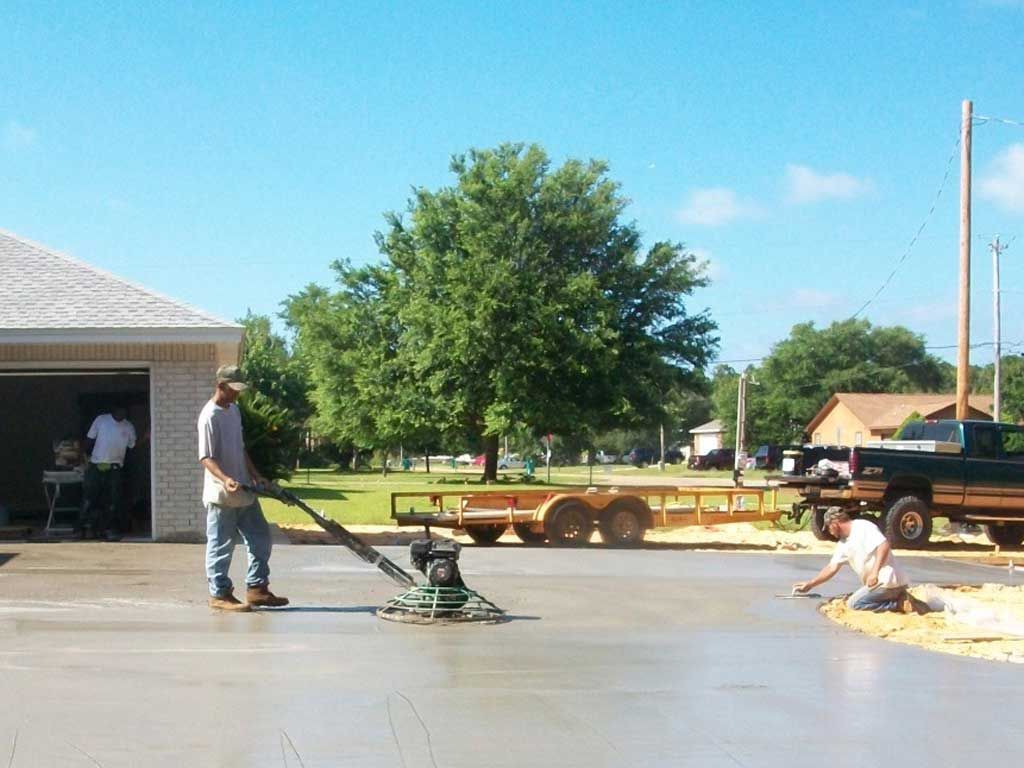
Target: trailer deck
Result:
[[568, 515]]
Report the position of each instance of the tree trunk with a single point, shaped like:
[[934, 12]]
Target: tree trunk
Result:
[[426, 458], [387, 455], [490, 458]]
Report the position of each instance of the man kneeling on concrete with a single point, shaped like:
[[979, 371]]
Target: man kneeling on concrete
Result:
[[230, 509], [869, 554]]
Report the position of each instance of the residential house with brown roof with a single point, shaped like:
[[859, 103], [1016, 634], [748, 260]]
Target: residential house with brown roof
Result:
[[852, 418]]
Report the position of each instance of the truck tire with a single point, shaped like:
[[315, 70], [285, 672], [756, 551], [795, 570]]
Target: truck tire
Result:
[[817, 524], [1007, 535], [486, 535], [622, 523], [908, 523], [527, 535], [569, 525]]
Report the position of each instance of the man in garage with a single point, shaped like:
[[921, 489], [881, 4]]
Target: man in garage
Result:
[[863, 547], [108, 440]]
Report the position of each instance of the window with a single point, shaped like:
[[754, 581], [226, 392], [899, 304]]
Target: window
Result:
[[858, 438], [986, 442], [817, 438], [1013, 443]]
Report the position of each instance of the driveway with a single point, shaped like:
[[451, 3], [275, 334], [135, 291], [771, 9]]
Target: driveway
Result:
[[659, 657]]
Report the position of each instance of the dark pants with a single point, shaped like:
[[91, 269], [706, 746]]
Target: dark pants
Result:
[[98, 483]]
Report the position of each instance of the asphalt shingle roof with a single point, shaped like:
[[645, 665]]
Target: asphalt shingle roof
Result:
[[41, 289]]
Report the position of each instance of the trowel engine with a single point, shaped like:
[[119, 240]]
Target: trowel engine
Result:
[[438, 560]]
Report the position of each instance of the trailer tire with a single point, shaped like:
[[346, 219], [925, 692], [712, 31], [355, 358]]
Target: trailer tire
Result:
[[908, 523], [622, 523], [486, 535], [527, 535], [569, 525], [817, 523], [1007, 535]]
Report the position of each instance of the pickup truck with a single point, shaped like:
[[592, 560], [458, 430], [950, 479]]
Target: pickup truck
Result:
[[966, 471]]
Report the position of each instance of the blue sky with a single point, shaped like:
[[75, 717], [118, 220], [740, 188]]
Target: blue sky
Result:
[[225, 154]]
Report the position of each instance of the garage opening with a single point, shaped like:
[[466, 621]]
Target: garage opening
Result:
[[44, 417]]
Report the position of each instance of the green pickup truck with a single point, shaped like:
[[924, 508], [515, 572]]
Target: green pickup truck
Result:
[[966, 471]]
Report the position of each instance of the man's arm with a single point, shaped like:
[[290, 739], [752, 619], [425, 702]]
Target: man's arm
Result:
[[214, 469], [824, 575], [881, 558]]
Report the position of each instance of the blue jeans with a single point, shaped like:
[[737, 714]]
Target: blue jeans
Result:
[[878, 599], [224, 525]]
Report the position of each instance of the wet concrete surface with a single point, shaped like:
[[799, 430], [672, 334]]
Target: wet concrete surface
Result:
[[108, 656]]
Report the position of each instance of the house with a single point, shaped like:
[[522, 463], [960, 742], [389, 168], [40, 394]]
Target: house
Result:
[[707, 437], [851, 418], [74, 340]]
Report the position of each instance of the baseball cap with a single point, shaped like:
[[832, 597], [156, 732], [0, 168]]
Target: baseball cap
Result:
[[835, 514], [232, 376]]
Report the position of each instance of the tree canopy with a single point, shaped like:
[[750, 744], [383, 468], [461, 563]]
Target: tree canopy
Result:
[[517, 296], [803, 371]]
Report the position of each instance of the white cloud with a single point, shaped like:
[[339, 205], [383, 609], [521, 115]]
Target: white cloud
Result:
[[806, 185], [809, 298], [1003, 184], [17, 136], [714, 206]]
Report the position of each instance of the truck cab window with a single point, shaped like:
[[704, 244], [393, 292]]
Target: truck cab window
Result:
[[986, 443], [1013, 443]]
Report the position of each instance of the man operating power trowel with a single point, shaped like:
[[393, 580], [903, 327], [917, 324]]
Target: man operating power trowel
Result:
[[230, 509]]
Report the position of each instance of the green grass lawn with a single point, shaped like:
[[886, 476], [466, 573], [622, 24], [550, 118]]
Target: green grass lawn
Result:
[[365, 497]]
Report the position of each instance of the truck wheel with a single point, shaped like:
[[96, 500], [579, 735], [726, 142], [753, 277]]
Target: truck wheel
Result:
[[570, 525], [818, 524], [622, 524], [527, 535], [908, 523], [1006, 535], [486, 535]]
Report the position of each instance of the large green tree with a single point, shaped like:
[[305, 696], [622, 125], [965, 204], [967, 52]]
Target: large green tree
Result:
[[517, 296], [803, 371]]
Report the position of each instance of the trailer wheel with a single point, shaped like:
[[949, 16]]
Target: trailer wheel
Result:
[[622, 524], [908, 523], [570, 525], [486, 535], [1006, 535], [818, 524], [527, 535]]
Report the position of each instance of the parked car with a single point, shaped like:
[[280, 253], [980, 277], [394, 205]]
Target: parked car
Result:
[[641, 457], [717, 458], [512, 461], [464, 459], [674, 455], [479, 461], [601, 457]]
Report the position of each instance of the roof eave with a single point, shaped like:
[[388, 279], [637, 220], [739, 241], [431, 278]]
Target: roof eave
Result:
[[228, 334]]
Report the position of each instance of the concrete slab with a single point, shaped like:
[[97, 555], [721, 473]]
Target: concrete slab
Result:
[[108, 656]]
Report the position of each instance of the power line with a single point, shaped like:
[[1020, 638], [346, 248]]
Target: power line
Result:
[[917, 235], [982, 119]]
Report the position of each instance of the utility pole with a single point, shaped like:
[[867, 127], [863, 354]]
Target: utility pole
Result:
[[741, 417], [963, 384], [997, 249]]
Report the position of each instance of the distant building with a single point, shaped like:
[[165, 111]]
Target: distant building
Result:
[[707, 437], [852, 418]]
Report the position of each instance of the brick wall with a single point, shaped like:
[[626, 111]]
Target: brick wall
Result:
[[179, 391]]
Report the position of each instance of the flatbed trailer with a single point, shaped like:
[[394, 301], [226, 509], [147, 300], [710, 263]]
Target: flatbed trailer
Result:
[[568, 516]]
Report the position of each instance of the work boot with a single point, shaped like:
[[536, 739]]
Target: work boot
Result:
[[228, 602], [261, 597]]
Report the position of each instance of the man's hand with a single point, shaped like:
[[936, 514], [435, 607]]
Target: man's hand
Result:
[[872, 579], [231, 485], [802, 587]]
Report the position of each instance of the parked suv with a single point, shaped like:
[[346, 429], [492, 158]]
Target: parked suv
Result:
[[718, 458]]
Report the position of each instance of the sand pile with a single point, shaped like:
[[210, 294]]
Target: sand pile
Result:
[[986, 622]]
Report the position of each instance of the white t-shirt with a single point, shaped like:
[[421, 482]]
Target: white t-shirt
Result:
[[858, 549], [220, 439], [112, 438]]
